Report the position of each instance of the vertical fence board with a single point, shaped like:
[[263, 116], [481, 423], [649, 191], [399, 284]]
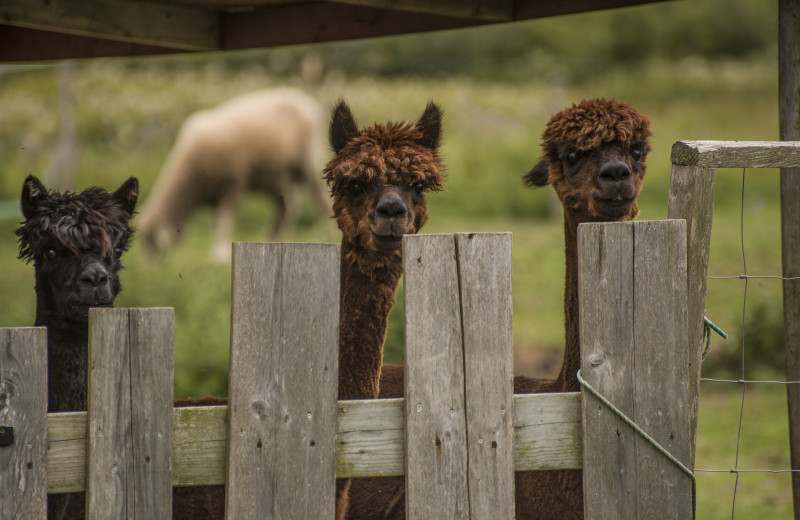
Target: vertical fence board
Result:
[[661, 371], [23, 407], [633, 319], [789, 106], [152, 388], [484, 269], [605, 283], [691, 197], [283, 381], [436, 452], [109, 424], [130, 404]]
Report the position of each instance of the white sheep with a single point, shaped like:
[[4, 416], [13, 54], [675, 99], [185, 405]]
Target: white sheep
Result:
[[263, 141]]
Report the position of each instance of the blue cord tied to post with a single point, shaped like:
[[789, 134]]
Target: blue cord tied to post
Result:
[[644, 435], [707, 328]]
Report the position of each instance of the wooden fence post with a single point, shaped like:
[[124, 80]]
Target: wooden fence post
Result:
[[691, 197], [459, 376], [484, 273], [634, 349], [129, 466], [789, 107], [23, 407], [283, 381], [436, 430]]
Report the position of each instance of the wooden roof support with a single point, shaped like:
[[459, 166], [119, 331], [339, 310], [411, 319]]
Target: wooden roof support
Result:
[[160, 25]]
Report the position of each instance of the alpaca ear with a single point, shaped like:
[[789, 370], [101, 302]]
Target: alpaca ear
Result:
[[33, 192], [127, 194], [538, 176], [430, 124], [343, 126]]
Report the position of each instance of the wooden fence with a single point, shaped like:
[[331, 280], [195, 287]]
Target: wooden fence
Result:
[[458, 436], [694, 164]]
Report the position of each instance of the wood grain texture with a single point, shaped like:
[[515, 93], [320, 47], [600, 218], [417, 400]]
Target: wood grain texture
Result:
[[484, 272], [494, 10], [605, 278], [635, 353], [152, 382], [200, 445], [109, 450], [736, 154], [370, 438], [23, 407], [789, 107], [283, 381], [129, 464], [436, 454], [661, 371], [174, 26], [691, 198]]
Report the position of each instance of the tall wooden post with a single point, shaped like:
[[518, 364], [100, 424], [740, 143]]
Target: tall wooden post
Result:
[[635, 353], [789, 105]]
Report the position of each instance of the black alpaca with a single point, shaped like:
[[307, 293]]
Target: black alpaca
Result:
[[75, 241]]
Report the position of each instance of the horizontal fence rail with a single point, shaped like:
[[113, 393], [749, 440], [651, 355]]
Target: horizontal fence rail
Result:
[[283, 439], [547, 435]]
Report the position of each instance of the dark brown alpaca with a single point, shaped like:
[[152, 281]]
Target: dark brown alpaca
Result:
[[378, 179], [594, 157], [76, 241]]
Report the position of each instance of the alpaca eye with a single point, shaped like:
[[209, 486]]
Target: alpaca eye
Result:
[[636, 154], [419, 188], [572, 157], [50, 254], [118, 252], [356, 188]]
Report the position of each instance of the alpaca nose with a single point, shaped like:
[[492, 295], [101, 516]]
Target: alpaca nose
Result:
[[94, 275], [614, 171], [391, 206]]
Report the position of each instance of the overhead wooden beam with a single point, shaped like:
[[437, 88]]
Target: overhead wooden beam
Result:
[[160, 25], [486, 10], [324, 22], [21, 44], [528, 9]]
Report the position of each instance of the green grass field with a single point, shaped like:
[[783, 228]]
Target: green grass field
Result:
[[127, 116]]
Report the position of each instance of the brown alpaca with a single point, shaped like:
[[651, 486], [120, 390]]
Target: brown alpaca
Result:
[[594, 157], [378, 180]]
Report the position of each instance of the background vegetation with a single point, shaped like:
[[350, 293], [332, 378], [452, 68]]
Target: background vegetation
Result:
[[699, 70]]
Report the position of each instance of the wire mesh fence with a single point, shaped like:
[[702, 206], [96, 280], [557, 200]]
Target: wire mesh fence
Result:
[[747, 380]]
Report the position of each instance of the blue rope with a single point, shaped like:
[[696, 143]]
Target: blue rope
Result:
[[708, 326], [649, 439]]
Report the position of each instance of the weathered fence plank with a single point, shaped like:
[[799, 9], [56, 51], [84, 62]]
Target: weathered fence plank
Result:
[[283, 380], [109, 421], [632, 280], [484, 273], [152, 383], [691, 198], [23, 407], [371, 437], [129, 466], [736, 154], [605, 282], [436, 455], [661, 374]]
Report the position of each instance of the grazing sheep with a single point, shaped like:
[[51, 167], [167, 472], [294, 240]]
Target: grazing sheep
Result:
[[264, 141]]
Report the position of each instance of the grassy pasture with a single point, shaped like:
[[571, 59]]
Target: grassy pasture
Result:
[[127, 114]]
